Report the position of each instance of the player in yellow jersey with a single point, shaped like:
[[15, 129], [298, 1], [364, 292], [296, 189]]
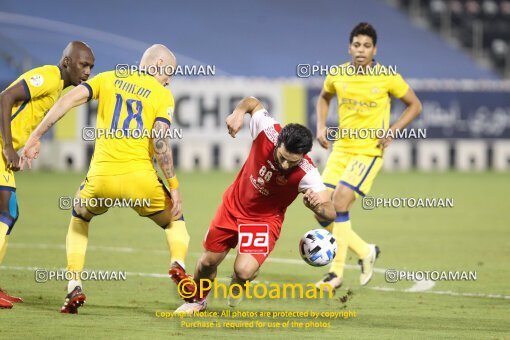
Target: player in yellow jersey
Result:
[[122, 166], [23, 105], [364, 89]]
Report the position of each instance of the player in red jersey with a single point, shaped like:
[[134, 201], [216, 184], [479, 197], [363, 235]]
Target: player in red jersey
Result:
[[275, 172]]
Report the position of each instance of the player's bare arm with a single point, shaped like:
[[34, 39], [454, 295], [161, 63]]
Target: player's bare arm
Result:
[[413, 109], [8, 98], [235, 119], [320, 203], [163, 152], [322, 109], [73, 98]]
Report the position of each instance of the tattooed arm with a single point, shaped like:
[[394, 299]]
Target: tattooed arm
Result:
[[75, 97], [163, 153]]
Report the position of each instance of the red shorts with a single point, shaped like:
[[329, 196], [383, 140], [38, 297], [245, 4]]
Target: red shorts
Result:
[[223, 233]]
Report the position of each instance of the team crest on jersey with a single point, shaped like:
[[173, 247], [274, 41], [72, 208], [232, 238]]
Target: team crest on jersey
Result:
[[281, 180], [375, 90], [36, 80]]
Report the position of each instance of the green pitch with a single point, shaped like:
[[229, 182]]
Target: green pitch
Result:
[[471, 236]]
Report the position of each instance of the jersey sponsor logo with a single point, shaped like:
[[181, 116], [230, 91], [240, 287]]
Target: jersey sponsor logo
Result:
[[253, 238], [258, 186], [358, 103], [36, 80], [271, 165]]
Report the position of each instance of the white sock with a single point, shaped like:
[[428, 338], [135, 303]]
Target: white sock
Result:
[[73, 284]]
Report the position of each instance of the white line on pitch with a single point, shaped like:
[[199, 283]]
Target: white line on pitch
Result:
[[419, 286], [385, 289]]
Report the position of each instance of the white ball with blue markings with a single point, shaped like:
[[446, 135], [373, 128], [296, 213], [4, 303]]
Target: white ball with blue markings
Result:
[[318, 247]]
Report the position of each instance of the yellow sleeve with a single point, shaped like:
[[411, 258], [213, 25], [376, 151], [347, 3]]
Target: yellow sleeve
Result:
[[165, 111], [41, 81], [398, 86], [94, 85], [328, 84]]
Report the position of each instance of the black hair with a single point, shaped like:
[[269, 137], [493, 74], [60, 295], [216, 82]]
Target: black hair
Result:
[[296, 138], [364, 28]]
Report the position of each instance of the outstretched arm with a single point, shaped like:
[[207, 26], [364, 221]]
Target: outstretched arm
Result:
[[235, 119], [163, 152], [73, 98]]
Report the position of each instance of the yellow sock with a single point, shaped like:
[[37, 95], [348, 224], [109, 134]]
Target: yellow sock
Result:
[[341, 227], [357, 245], [346, 238], [76, 244], [178, 239], [3, 240]]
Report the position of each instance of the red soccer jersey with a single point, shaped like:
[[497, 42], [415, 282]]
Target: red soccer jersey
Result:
[[262, 192]]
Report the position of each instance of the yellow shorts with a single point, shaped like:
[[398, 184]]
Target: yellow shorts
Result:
[[6, 175], [357, 172], [141, 190]]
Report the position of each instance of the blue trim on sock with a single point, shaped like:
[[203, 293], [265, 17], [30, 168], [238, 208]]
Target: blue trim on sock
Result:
[[75, 214], [324, 224], [332, 186], [342, 216]]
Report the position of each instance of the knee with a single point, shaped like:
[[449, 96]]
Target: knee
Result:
[[208, 263], [245, 274], [82, 214]]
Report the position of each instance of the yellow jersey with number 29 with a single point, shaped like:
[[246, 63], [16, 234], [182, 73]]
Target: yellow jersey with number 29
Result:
[[364, 103]]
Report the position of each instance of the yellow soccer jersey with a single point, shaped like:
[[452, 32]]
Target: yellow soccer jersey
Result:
[[43, 85], [363, 104], [126, 104]]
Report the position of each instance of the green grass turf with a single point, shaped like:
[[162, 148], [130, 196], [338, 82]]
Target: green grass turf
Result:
[[472, 236]]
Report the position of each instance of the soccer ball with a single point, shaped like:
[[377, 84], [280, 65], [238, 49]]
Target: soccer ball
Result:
[[318, 247]]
